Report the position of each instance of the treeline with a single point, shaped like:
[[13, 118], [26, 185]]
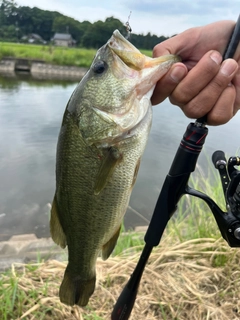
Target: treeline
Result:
[[17, 22]]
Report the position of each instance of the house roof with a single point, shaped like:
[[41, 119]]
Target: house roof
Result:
[[62, 36], [35, 36]]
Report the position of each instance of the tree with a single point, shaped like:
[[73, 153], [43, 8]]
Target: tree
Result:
[[17, 21], [99, 32], [8, 10]]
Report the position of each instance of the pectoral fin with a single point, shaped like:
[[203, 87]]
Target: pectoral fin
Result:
[[110, 245], [110, 161], [56, 229]]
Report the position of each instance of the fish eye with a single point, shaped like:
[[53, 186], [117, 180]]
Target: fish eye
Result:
[[99, 67]]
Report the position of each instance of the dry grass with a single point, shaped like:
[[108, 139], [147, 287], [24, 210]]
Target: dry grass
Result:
[[196, 279]]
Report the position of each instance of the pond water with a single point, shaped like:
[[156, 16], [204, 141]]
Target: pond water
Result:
[[30, 117]]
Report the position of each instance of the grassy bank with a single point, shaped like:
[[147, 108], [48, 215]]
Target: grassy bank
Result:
[[191, 280], [191, 275], [54, 55], [78, 57]]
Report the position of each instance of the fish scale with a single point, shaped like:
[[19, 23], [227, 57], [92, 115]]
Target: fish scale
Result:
[[103, 136]]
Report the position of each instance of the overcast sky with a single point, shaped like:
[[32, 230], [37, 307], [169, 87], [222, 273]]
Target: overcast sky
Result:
[[160, 17]]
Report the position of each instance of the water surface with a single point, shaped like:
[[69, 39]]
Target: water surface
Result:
[[30, 119]]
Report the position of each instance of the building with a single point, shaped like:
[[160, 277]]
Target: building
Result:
[[33, 38], [63, 40]]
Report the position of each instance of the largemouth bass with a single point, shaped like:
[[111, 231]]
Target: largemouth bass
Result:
[[103, 135]]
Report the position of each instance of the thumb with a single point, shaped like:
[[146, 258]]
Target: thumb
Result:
[[168, 83]]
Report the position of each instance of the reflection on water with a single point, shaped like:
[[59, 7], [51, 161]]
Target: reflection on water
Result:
[[30, 119]]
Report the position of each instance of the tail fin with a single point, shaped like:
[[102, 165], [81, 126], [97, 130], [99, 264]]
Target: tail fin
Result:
[[75, 290]]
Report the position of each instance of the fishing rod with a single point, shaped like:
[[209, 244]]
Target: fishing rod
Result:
[[176, 185]]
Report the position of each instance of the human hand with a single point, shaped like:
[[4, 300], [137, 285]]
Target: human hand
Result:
[[202, 84]]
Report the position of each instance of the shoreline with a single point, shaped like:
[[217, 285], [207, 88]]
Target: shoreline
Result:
[[27, 248], [40, 69]]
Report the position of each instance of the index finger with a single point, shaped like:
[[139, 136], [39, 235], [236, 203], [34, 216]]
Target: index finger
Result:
[[193, 43]]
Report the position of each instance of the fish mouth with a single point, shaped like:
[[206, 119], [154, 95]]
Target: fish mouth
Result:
[[132, 57]]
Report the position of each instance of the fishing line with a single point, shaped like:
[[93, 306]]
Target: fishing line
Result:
[[128, 27], [138, 214]]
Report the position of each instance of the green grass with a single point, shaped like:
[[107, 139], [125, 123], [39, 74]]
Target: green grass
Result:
[[33, 289], [146, 52], [13, 298], [56, 55], [78, 57], [193, 218], [129, 242]]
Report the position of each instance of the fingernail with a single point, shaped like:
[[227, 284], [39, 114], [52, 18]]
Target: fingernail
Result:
[[228, 67], [177, 74], [216, 57]]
